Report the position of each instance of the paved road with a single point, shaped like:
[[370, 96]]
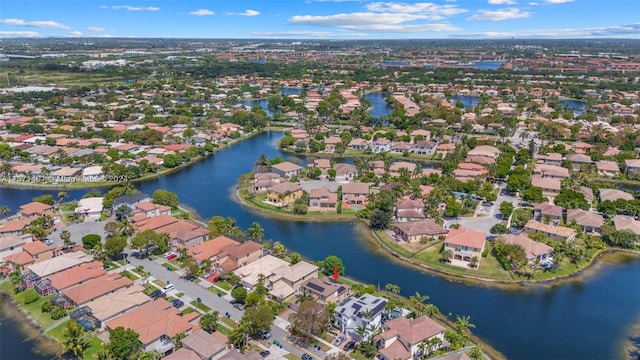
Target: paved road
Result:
[[79, 230], [491, 214]]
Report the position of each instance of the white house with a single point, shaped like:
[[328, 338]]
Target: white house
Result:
[[363, 311], [92, 174], [90, 207]]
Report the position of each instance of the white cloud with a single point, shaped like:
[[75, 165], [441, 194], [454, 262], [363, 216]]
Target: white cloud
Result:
[[74, 33], [371, 21], [131, 8], [201, 12], [38, 24], [631, 30], [558, 1], [420, 8], [95, 28], [501, 2], [304, 34], [500, 15], [534, 4], [249, 13], [23, 34]]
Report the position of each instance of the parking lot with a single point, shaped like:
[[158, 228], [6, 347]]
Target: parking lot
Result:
[[79, 230]]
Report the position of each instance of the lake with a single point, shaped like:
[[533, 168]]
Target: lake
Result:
[[264, 103], [379, 106], [488, 65], [586, 318], [577, 106], [468, 101]]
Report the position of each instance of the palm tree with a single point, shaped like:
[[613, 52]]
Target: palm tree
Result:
[[125, 228], [65, 235], [361, 330], [431, 310], [476, 353], [209, 322], [393, 288], [178, 339], [255, 231], [238, 336], [462, 326], [232, 278], [206, 266], [74, 342], [303, 296], [103, 355], [474, 261], [61, 196], [446, 256], [4, 210]]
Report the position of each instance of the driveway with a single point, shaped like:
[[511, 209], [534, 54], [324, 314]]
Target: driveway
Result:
[[79, 230], [491, 214]]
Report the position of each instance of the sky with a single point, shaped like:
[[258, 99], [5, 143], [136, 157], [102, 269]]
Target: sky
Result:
[[321, 19]]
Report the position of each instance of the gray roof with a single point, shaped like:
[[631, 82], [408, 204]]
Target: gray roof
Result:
[[367, 302]]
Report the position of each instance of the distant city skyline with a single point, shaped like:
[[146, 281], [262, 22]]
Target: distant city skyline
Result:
[[321, 19]]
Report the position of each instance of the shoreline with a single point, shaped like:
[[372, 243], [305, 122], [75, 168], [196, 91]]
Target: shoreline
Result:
[[110, 184], [29, 328], [383, 248]]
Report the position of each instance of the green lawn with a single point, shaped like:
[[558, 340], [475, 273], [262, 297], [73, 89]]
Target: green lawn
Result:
[[160, 283], [228, 321], [129, 275], [187, 310], [169, 266], [94, 345], [180, 294], [148, 289], [200, 306], [291, 357], [224, 285], [57, 332], [44, 319]]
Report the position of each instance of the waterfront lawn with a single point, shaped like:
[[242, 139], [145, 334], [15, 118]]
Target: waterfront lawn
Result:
[[34, 309], [58, 331], [94, 345]]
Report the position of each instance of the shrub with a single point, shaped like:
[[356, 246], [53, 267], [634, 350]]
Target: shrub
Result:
[[91, 240], [30, 296], [46, 307], [58, 313], [485, 253]]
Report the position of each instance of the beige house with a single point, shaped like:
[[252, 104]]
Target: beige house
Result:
[[284, 194], [415, 231], [533, 250], [355, 193], [402, 337], [465, 244], [554, 232], [589, 222]]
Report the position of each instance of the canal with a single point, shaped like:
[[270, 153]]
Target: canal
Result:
[[585, 318]]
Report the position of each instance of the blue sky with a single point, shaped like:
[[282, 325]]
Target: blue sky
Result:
[[321, 19]]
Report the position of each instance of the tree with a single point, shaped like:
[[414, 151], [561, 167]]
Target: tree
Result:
[[453, 208], [74, 341], [45, 199], [114, 246], [255, 231], [462, 326], [380, 220], [240, 294], [418, 301], [279, 250], [330, 262], [474, 261], [312, 319], [238, 336], [259, 318], [446, 256], [142, 240], [164, 197], [177, 339], [90, 241], [476, 353], [506, 208], [295, 258], [392, 288], [65, 235], [499, 229], [232, 278], [209, 321], [124, 343], [4, 210], [571, 199], [62, 195]]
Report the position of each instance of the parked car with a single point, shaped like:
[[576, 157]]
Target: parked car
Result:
[[177, 303], [48, 242], [265, 353], [168, 288], [306, 357], [265, 334], [350, 345], [338, 340], [155, 294], [238, 306]]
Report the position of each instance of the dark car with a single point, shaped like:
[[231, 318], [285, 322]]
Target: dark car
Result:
[[350, 345], [155, 294], [306, 357], [177, 303], [238, 306], [265, 353]]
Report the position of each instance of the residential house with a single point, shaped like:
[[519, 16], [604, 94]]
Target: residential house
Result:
[[589, 222], [32, 253], [90, 207], [15, 227], [287, 169], [415, 231], [207, 346], [60, 263], [156, 322], [322, 200], [381, 145], [626, 223], [632, 166], [614, 194], [326, 290], [408, 210], [424, 147], [485, 150], [284, 194], [130, 201], [425, 134], [582, 148], [445, 149], [533, 250], [357, 312], [402, 337], [469, 171], [150, 209], [395, 169], [358, 144], [235, 355], [12, 244], [550, 187], [33, 209], [607, 168], [345, 172], [551, 171], [263, 181], [92, 174], [118, 302], [547, 213], [401, 147], [76, 275], [330, 144], [251, 273], [465, 244], [355, 195], [553, 232], [96, 288], [554, 159], [285, 281], [186, 233], [577, 161]]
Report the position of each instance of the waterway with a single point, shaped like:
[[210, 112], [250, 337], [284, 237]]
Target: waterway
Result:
[[264, 103], [578, 107], [586, 318], [379, 106], [468, 101]]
